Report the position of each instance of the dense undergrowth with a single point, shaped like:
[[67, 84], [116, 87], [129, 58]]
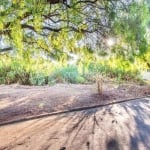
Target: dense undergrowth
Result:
[[44, 72]]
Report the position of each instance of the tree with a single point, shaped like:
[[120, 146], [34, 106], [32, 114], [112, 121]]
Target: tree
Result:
[[131, 29], [55, 25]]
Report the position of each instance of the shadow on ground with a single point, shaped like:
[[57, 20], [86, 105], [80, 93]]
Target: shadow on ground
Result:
[[124, 126], [18, 101]]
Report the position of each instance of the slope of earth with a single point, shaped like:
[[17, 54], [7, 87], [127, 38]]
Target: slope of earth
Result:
[[18, 101], [123, 126]]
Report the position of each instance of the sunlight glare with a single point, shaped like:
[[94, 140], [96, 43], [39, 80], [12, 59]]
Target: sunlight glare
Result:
[[110, 42]]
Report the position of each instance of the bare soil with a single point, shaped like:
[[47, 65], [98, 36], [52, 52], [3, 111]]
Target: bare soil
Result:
[[17, 101], [122, 126]]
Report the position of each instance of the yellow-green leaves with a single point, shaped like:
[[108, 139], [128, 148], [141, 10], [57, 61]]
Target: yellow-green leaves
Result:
[[37, 22], [15, 1], [42, 44], [1, 25], [17, 36]]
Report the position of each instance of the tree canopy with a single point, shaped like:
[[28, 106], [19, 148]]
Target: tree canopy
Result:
[[58, 26]]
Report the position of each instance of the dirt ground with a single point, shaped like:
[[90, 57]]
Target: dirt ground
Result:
[[17, 101], [123, 126]]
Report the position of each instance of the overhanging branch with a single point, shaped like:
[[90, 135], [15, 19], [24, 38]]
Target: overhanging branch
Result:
[[56, 1], [5, 49]]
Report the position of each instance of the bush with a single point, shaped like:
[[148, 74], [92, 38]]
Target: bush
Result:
[[14, 73], [67, 74], [38, 79], [81, 80], [28, 74], [112, 72]]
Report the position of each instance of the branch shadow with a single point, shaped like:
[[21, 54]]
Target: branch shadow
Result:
[[114, 127]]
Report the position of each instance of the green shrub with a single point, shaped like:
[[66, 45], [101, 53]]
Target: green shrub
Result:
[[2, 80], [23, 78], [67, 74], [11, 77], [38, 79], [81, 80], [117, 73], [15, 71]]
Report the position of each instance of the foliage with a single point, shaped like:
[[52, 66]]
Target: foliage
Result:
[[67, 74], [11, 75], [116, 72], [40, 74], [44, 37], [38, 79], [130, 29], [58, 29]]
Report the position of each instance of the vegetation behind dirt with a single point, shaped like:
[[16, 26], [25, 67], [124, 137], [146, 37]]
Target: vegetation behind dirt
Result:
[[82, 45], [41, 72]]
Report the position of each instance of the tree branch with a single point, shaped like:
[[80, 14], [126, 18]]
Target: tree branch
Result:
[[43, 28], [56, 1], [5, 49]]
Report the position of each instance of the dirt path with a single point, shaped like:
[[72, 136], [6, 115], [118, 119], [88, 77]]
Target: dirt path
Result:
[[18, 101], [124, 126]]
